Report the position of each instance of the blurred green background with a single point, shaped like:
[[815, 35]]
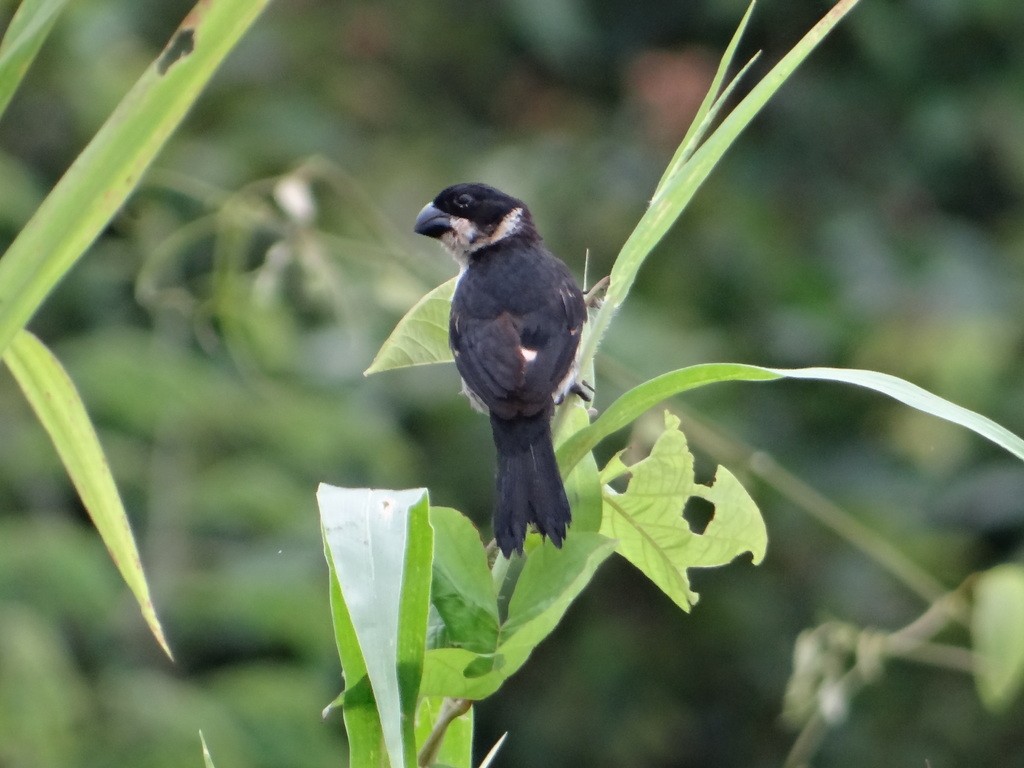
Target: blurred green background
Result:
[[873, 217]]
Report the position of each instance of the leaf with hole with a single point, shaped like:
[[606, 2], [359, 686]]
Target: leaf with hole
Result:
[[648, 524]]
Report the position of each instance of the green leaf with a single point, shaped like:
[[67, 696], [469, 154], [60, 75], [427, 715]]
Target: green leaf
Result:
[[648, 523], [709, 107], [997, 627], [59, 409], [676, 191], [550, 581], [24, 37], [101, 178], [462, 590], [421, 337], [645, 396], [737, 526], [380, 543]]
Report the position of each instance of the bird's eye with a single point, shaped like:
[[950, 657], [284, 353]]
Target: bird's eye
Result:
[[464, 200]]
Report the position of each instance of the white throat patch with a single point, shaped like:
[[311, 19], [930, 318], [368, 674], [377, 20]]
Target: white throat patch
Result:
[[465, 237]]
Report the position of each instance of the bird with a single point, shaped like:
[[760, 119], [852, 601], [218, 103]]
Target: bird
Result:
[[517, 315]]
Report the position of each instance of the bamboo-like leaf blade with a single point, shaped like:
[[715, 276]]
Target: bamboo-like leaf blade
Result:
[[60, 410], [101, 178], [645, 396], [705, 113], [679, 187]]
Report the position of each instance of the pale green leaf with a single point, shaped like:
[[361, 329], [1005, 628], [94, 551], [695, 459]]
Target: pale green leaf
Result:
[[362, 722], [380, 544], [101, 178], [736, 528], [648, 523], [59, 409], [421, 337], [997, 627]]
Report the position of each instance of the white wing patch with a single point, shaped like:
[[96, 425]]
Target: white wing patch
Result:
[[529, 355]]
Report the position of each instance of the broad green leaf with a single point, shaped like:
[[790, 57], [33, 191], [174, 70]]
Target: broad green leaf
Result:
[[456, 750], [380, 543], [25, 34], [997, 627], [647, 520], [647, 395], [101, 178], [462, 590], [421, 337], [550, 581], [679, 187], [59, 409]]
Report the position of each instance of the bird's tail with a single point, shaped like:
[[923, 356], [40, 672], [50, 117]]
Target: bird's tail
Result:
[[529, 487]]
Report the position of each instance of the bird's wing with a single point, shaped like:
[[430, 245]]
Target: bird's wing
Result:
[[488, 356], [555, 338]]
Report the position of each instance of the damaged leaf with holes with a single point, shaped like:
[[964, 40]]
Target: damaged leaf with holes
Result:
[[648, 524]]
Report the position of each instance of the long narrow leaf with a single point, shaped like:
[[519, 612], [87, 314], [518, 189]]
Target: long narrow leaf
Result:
[[24, 37], [680, 187], [645, 396], [109, 168], [59, 409], [705, 113]]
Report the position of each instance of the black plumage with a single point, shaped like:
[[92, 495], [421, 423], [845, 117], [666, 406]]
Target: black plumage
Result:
[[515, 325]]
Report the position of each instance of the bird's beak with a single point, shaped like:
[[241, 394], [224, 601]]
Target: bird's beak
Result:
[[432, 222]]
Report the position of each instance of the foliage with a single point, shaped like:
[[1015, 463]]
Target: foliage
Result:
[[218, 327]]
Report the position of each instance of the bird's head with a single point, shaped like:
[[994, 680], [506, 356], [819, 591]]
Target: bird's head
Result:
[[469, 217]]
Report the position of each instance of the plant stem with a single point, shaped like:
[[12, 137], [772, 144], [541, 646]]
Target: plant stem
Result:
[[450, 710]]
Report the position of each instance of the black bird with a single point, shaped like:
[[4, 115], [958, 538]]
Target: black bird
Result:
[[514, 329]]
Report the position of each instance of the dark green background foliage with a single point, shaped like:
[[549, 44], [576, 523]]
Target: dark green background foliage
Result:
[[874, 217]]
